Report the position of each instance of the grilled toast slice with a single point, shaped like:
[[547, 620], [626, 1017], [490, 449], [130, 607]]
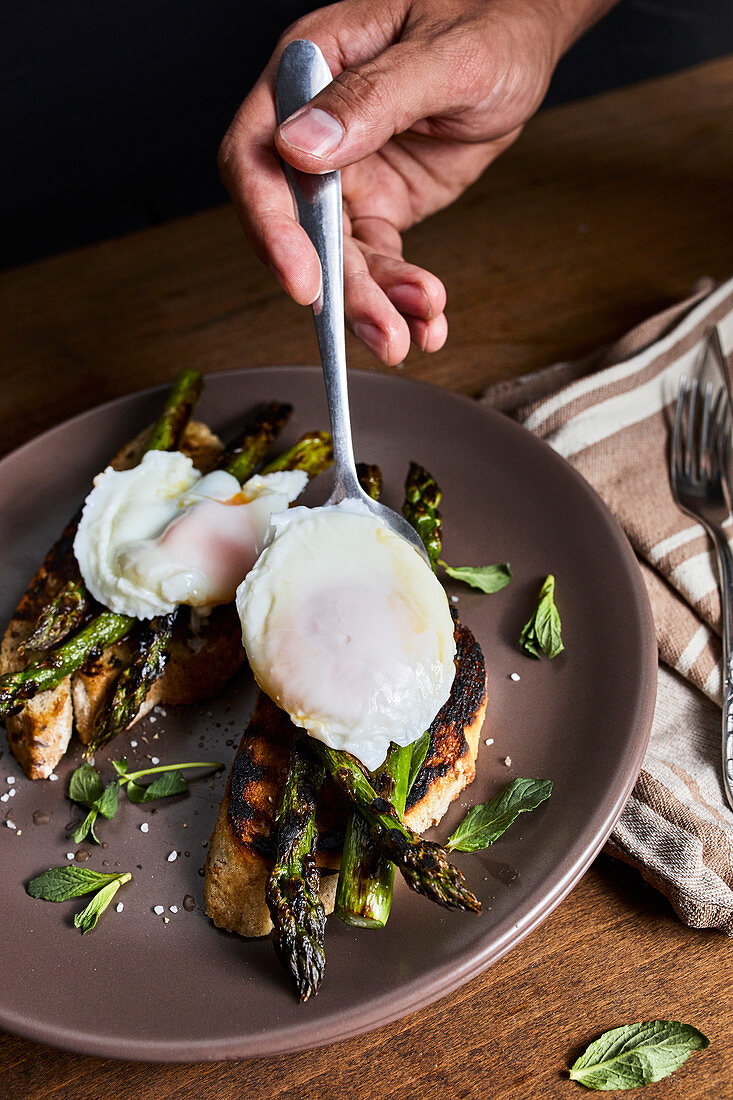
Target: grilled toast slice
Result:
[[39, 734], [240, 850]]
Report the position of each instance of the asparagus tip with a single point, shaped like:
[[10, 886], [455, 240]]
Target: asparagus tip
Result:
[[300, 923]]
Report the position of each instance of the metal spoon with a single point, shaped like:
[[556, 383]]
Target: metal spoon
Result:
[[302, 74]]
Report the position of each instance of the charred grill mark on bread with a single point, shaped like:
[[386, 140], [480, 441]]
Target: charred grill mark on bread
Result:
[[448, 742]]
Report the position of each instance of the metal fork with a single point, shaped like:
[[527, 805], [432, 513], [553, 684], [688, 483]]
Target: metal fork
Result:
[[700, 444]]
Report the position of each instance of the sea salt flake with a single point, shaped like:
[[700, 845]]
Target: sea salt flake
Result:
[[119, 906], [454, 599], [133, 744], [154, 760], [508, 761], [52, 777], [515, 676], [158, 910], [69, 855], [10, 780], [19, 832], [173, 908], [144, 827], [10, 824], [152, 718], [12, 792], [172, 856], [4, 797], [489, 740]]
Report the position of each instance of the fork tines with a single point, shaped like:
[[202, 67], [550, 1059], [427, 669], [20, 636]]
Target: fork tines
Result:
[[699, 439]]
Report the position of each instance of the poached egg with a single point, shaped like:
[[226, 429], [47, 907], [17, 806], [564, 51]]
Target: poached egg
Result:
[[347, 629], [161, 534]]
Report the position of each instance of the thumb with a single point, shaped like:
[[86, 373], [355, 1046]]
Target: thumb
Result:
[[361, 109]]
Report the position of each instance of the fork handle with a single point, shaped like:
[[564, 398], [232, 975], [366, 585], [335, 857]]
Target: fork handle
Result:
[[725, 567]]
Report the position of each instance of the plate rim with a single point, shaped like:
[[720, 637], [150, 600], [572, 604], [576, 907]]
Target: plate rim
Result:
[[448, 976]]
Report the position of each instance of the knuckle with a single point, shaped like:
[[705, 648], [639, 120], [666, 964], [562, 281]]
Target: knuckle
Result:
[[360, 93], [359, 283]]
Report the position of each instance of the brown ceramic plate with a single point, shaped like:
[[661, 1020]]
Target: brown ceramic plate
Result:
[[138, 987]]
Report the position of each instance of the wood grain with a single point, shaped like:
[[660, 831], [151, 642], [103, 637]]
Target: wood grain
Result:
[[603, 212]]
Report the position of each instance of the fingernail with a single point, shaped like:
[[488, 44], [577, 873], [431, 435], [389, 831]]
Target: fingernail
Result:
[[313, 131], [419, 332], [370, 335], [409, 298]]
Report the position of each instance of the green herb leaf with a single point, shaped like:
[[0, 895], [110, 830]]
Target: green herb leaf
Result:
[[637, 1054], [167, 784], [420, 750], [488, 578], [484, 824], [87, 919], [86, 828], [85, 785], [62, 883], [107, 802], [542, 633], [120, 766]]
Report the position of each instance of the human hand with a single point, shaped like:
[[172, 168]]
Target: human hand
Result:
[[426, 94]]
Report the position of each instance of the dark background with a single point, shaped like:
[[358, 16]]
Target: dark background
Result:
[[112, 110]]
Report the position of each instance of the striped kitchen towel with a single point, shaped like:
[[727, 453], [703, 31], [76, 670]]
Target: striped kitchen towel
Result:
[[612, 422]]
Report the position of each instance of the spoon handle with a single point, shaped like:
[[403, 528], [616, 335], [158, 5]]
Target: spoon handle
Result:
[[301, 74]]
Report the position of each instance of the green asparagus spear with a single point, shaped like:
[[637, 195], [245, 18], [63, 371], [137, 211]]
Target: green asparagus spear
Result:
[[171, 424], [67, 610], [152, 650], [48, 672], [71, 604], [422, 497], [242, 458], [366, 878], [313, 453], [370, 479], [292, 889], [424, 865]]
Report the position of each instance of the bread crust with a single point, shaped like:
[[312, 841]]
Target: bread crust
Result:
[[240, 850]]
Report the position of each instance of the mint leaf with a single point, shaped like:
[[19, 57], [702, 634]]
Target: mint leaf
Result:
[[637, 1054], [87, 919], [420, 749], [484, 824], [488, 578], [542, 634], [87, 828], [167, 784], [62, 883], [120, 766], [107, 802], [85, 786]]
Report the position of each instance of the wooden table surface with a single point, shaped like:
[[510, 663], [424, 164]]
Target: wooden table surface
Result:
[[605, 211]]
